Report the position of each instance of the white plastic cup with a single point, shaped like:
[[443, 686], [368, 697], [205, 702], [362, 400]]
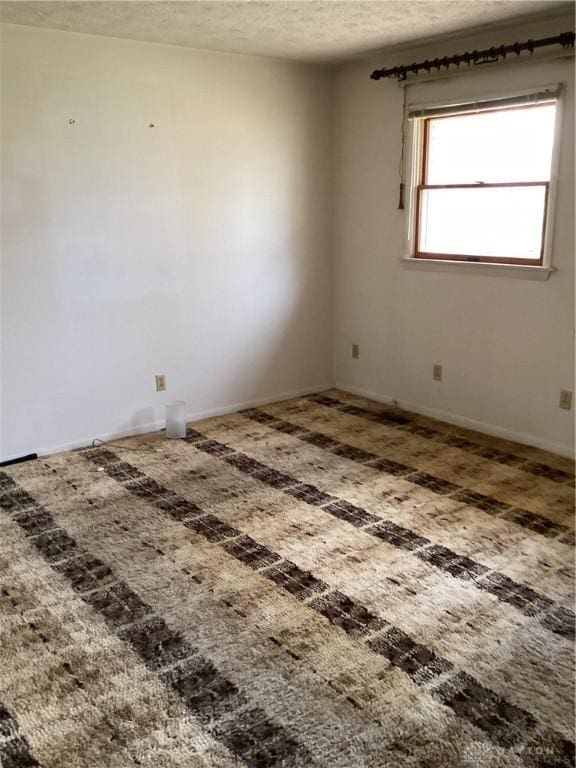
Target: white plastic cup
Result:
[[175, 419]]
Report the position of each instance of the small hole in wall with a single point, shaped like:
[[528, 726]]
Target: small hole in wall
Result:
[[151, 125], [71, 121]]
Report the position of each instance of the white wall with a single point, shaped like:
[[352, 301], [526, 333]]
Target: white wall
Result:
[[200, 248], [506, 344]]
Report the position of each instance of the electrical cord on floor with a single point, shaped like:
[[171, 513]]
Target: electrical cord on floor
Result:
[[97, 443]]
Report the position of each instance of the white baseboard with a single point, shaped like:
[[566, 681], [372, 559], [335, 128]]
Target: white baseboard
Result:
[[156, 426], [463, 421], [385, 399], [451, 418]]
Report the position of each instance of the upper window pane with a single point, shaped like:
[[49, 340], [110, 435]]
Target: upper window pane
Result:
[[506, 145]]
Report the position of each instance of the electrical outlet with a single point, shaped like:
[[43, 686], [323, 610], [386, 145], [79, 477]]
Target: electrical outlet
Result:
[[355, 351], [565, 399], [437, 372], [160, 382]]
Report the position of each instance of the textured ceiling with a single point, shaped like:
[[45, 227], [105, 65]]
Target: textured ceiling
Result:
[[309, 30]]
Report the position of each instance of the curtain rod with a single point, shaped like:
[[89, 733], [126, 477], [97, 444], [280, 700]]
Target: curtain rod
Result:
[[485, 56]]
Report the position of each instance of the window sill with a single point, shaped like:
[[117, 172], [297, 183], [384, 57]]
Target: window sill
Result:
[[478, 268]]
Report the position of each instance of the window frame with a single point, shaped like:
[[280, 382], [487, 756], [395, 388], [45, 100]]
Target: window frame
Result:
[[419, 127]]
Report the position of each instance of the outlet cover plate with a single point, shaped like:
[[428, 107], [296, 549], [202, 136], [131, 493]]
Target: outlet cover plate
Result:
[[565, 400]]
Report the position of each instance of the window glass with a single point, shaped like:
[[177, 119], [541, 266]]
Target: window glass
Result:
[[503, 222], [501, 146]]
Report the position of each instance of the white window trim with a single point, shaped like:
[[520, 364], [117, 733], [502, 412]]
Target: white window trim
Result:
[[414, 142]]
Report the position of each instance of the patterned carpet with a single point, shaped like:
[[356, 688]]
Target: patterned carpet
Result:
[[320, 582]]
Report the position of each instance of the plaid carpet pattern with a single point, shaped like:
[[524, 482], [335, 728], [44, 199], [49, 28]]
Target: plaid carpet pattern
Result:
[[321, 582]]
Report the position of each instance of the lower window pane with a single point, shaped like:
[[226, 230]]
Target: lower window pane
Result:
[[503, 222]]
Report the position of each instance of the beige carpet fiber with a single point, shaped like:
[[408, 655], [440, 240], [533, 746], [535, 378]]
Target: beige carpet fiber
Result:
[[321, 582]]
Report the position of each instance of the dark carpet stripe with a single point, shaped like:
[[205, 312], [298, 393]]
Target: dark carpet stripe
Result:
[[207, 694], [384, 639], [407, 423], [487, 504], [506, 590], [14, 747]]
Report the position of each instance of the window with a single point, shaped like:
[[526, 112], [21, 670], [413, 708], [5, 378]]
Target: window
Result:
[[482, 181]]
